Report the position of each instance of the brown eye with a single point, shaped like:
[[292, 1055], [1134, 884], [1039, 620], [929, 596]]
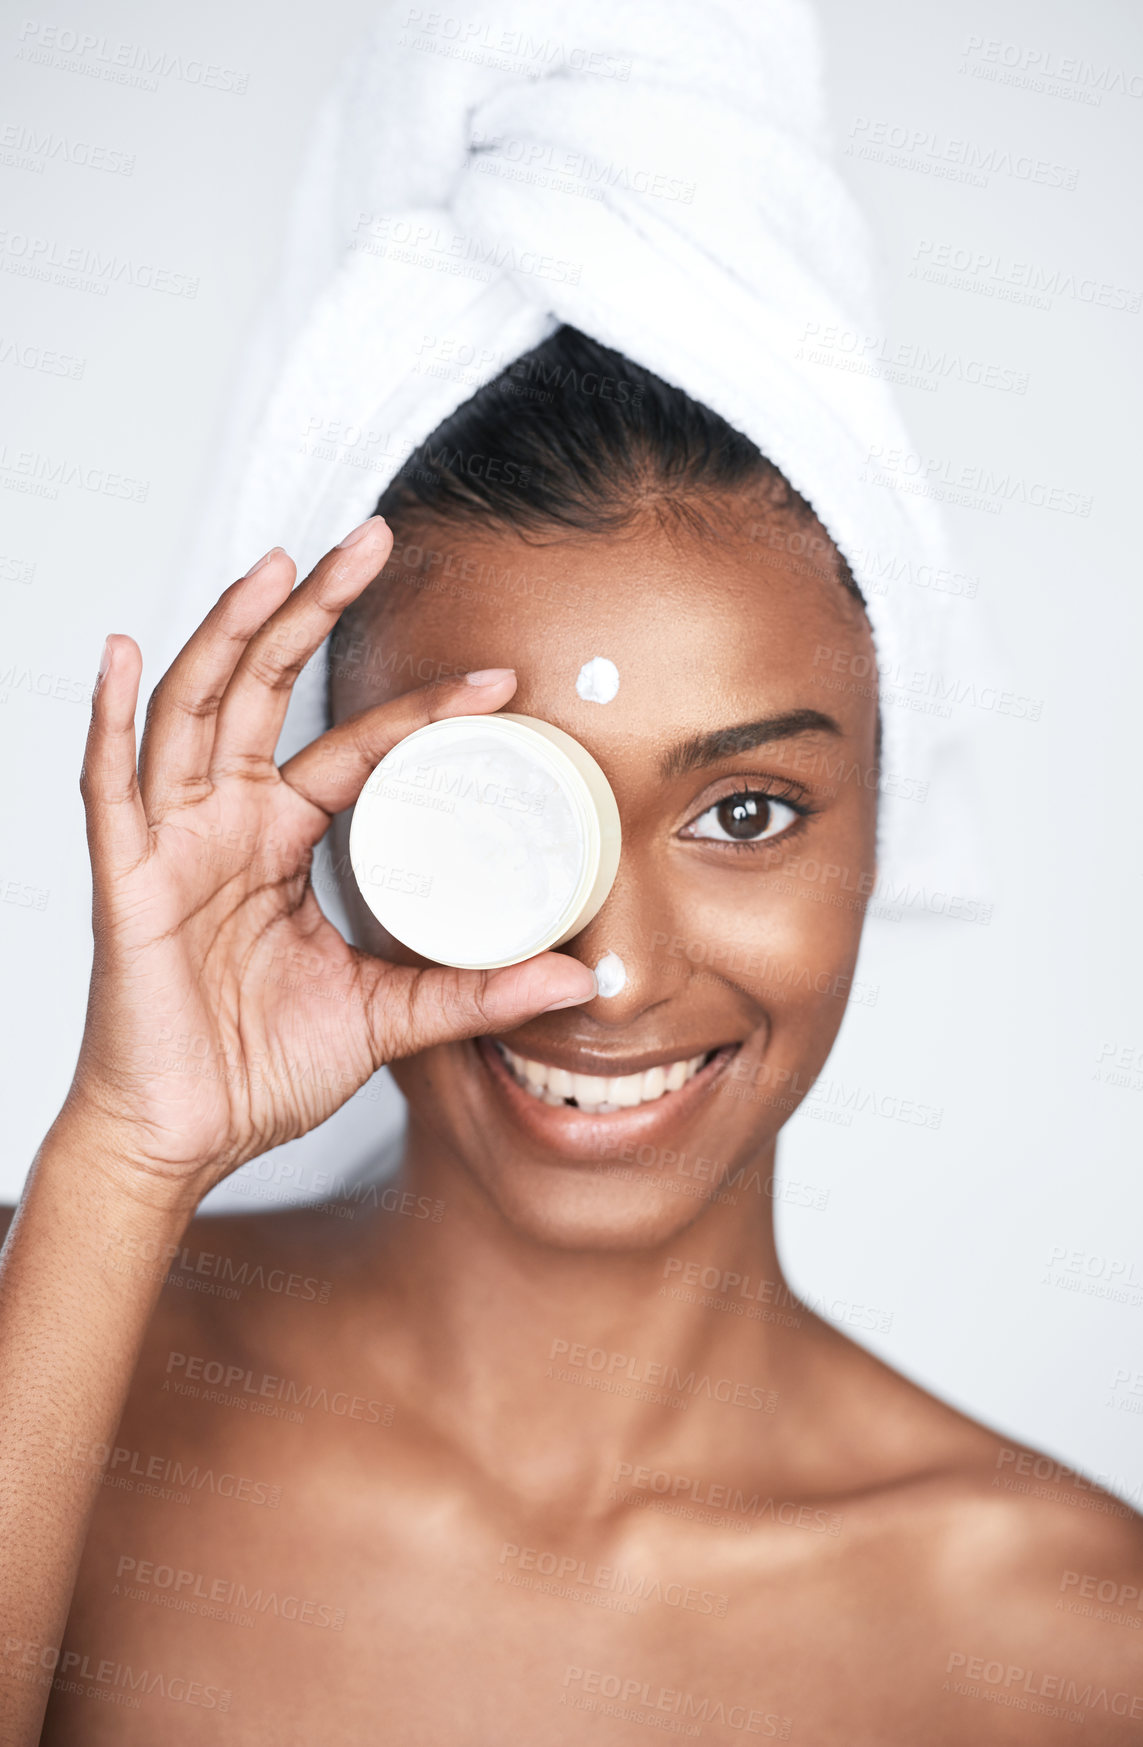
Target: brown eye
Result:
[[744, 818], [743, 815]]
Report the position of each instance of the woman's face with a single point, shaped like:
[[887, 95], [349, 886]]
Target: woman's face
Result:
[[736, 920]]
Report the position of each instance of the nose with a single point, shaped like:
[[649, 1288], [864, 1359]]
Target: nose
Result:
[[619, 945]]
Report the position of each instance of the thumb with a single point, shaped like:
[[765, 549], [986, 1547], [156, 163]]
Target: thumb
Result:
[[413, 1009]]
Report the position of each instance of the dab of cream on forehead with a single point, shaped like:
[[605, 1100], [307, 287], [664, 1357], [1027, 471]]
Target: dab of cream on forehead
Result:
[[598, 680]]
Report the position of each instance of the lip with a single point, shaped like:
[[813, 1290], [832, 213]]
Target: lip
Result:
[[587, 1062], [577, 1134]]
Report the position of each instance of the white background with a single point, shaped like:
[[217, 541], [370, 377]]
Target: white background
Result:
[[947, 1233]]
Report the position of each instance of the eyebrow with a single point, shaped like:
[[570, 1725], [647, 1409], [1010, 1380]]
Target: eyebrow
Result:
[[702, 749]]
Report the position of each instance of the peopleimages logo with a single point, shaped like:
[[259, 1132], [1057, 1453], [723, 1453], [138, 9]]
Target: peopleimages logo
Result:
[[626, 1367], [989, 273], [158, 1476], [195, 1592], [973, 484], [40, 257], [902, 146], [724, 1496], [1045, 70], [644, 1701], [569, 1573], [123, 63], [232, 1378], [453, 786], [1020, 1682], [114, 1680]]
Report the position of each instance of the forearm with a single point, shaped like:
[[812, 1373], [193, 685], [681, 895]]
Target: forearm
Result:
[[71, 1326]]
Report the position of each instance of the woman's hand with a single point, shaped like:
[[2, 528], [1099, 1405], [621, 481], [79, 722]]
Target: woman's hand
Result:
[[226, 1013]]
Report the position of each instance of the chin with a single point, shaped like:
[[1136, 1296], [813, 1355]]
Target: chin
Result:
[[617, 1208]]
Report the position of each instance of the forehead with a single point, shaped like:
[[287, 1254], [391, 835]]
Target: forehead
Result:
[[708, 629]]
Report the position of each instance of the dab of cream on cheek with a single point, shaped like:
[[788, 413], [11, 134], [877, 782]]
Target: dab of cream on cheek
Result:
[[610, 975], [598, 680]]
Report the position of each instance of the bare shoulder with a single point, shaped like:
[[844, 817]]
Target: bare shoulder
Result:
[[226, 1263], [1016, 1526], [1028, 1578], [1009, 1520], [1039, 1574], [234, 1344], [241, 1283], [992, 1504], [1026, 1517], [1014, 1583]]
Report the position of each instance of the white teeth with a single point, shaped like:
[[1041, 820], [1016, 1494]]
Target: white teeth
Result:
[[627, 1091], [586, 1089], [596, 1094], [654, 1084]]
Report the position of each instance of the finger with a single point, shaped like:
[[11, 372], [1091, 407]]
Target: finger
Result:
[[413, 1009], [254, 706], [117, 833], [332, 770], [178, 737]]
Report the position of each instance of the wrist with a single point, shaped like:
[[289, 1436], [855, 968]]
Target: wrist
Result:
[[99, 1154]]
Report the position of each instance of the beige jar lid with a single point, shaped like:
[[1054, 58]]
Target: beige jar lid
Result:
[[479, 841]]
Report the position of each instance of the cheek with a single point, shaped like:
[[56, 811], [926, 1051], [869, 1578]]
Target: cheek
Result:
[[794, 917], [430, 1084], [793, 945], [815, 908], [811, 950], [784, 937]]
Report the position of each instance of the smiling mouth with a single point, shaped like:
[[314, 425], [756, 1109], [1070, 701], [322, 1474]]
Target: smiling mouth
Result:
[[596, 1094]]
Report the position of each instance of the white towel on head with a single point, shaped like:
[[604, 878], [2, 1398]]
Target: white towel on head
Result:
[[653, 172]]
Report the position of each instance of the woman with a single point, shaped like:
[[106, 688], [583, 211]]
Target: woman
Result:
[[538, 1444]]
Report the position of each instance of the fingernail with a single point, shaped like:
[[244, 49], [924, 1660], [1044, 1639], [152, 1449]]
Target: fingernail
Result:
[[105, 658], [265, 559], [490, 675], [359, 533], [575, 1000]]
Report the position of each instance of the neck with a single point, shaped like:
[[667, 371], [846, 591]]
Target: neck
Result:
[[559, 1370]]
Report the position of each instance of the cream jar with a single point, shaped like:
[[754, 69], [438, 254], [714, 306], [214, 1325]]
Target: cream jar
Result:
[[480, 841]]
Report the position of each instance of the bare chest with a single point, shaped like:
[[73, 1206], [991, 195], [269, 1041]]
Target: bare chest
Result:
[[218, 1611]]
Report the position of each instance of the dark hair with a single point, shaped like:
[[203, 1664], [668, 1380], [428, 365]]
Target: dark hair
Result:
[[574, 437]]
